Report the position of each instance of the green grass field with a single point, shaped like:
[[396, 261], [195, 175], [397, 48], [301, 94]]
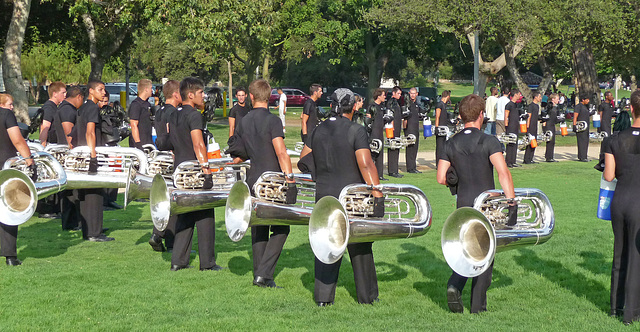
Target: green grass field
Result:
[[69, 284]]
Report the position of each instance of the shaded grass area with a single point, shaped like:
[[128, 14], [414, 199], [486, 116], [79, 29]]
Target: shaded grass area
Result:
[[66, 283]]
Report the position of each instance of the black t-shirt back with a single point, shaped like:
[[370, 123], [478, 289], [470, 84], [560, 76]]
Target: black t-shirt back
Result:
[[257, 131], [50, 109], [468, 152], [333, 144], [514, 117], [140, 111], [238, 112], [66, 113], [88, 112], [163, 115], [310, 108], [184, 120], [7, 149], [534, 111]]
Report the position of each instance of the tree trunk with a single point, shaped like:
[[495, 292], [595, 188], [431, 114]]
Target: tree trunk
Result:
[[515, 75], [547, 75], [483, 79], [585, 70], [97, 57], [97, 65], [230, 84], [11, 70], [375, 64], [634, 83], [265, 68]]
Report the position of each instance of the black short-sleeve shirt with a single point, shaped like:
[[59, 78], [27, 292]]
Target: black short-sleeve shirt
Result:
[[238, 112], [310, 108], [514, 117], [184, 120], [582, 112], [607, 112], [88, 112], [468, 152], [140, 110], [443, 113], [333, 144], [625, 147], [534, 111], [257, 131], [66, 113], [377, 128], [50, 109], [163, 115], [7, 149]]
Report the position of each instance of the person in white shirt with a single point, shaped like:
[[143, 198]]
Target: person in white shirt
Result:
[[490, 108], [282, 108], [502, 102]]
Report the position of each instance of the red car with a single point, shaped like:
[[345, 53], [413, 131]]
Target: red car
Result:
[[295, 97]]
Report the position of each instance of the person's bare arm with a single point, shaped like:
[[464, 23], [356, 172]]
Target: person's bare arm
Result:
[[441, 175], [283, 156], [44, 132], [200, 149], [135, 132], [504, 175], [305, 118], [91, 138], [232, 126], [19, 143], [305, 151], [67, 127], [506, 117], [609, 167], [438, 110], [368, 170]]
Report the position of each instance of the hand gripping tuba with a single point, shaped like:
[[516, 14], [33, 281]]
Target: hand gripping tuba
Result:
[[19, 195], [166, 200], [335, 222], [472, 236], [267, 208]]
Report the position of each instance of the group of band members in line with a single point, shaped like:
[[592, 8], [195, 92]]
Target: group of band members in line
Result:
[[258, 136]]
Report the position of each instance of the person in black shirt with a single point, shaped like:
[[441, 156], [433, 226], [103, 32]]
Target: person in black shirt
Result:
[[11, 142], [581, 113], [511, 117], [140, 116], [473, 154], [606, 112], [341, 154], [376, 112], [532, 126], [622, 161], [550, 125], [89, 133], [393, 154], [63, 123], [263, 139], [310, 118], [57, 93], [412, 126], [171, 91], [442, 119], [186, 134], [238, 111]]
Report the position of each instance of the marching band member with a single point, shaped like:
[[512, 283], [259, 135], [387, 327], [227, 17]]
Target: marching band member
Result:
[[474, 154], [532, 126], [376, 114], [511, 117], [581, 113], [552, 118], [394, 154], [442, 119], [412, 126]]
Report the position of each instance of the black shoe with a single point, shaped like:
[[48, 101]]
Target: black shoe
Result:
[[396, 175], [100, 238], [551, 161], [454, 299], [382, 178], [529, 162], [114, 205], [324, 304], [13, 261], [265, 283], [213, 268], [583, 160], [414, 171], [511, 165], [156, 243], [180, 267], [104, 230]]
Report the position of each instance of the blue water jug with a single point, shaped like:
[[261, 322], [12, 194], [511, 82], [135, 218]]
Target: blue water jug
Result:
[[607, 189], [596, 120], [426, 128]]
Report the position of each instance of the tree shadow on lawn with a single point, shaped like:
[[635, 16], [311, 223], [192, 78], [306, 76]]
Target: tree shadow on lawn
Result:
[[45, 239], [595, 262], [437, 273], [579, 284]]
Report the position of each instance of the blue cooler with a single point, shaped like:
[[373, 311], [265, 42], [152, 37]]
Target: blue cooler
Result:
[[153, 134], [607, 189], [426, 128], [596, 120]]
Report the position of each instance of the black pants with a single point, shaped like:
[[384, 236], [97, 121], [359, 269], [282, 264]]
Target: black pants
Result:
[[90, 202], [512, 153], [69, 210], [205, 222], [528, 154], [618, 268], [110, 195], [379, 161], [364, 275], [169, 233], [411, 154], [266, 249], [479, 287], [583, 144], [548, 154], [440, 140], [392, 160], [8, 240]]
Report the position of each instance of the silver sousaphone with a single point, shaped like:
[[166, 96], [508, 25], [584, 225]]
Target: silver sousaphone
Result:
[[472, 236]]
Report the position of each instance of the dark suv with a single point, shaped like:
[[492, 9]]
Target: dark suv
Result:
[[295, 97]]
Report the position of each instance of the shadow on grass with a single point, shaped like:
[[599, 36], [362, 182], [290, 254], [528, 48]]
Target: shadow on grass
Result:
[[595, 262], [579, 284], [45, 239]]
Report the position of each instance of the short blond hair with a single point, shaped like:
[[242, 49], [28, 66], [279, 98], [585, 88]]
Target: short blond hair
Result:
[[143, 84], [261, 90], [5, 98]]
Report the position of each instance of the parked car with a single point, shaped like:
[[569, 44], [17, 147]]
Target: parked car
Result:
[[115, 88], [295, 97]]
